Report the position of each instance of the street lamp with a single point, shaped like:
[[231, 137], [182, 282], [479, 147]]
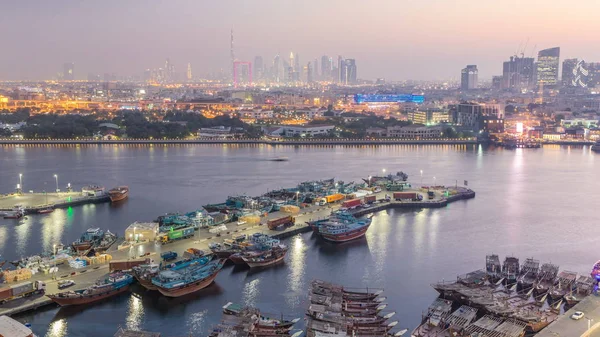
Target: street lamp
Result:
[[589, 322], [383, 171], [56, 177], [297, 198], [421, 177], [433, 181], [134, 237]]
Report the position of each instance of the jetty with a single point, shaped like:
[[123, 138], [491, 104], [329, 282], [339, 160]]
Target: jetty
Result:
[[136, 252], [34, 202]]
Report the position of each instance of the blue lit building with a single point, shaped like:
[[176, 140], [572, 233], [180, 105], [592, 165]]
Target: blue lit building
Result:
[[403, 98]]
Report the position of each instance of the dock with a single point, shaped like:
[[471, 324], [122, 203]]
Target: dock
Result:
[[34, 202], [202, 237]]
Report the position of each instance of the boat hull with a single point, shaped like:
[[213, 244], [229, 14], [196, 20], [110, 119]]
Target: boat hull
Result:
[[67, 301], [237, 259], [265, 263], [188, 288], [146, 283], [348, 236], [118, 196]]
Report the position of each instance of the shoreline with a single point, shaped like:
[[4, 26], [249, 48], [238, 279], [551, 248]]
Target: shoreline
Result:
[[265, 142]]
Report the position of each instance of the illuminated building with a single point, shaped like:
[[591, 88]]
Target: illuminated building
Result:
[[547, 66], [518, 73], [415, 132], [468, 77], [574, 73], [394, 98], [471, 115], [69, 71], [430, 117], [594, 74], [309, 73], [302, 131]]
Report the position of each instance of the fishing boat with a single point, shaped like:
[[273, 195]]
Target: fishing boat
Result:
[[263, 322], [88, 240], [188, 279], [108, 239], [267, 258], [46, 210], [118, 193], [114, 284], [337, 216], [16, 213], [339, 231], [144, 273]]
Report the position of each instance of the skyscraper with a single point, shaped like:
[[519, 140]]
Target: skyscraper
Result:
[[309, 73], [468, 77], [518, 73], [189, 72], [575, 73], [69, 71], [338, 75], [326, 67], [347, 71], [292, 63], [277, 73], [258, 68], [315, 69], [547, 66], [296, 65]]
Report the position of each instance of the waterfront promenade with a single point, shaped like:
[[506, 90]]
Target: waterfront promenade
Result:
[[283, 141], [86, 276]]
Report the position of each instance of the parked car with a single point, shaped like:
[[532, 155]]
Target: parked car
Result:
[[577, 315], [62, 284]]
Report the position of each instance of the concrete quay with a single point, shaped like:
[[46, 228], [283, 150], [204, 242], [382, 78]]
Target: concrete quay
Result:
[[34, 202], [201, 239]]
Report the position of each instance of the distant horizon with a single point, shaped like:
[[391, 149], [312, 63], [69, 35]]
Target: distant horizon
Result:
[[426, 40]]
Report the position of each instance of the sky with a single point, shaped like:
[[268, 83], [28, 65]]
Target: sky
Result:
[[393, 39]]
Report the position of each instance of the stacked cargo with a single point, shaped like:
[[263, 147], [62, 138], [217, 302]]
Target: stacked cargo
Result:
[[77, 263], [17, 275], [290, 209], [250, 219]]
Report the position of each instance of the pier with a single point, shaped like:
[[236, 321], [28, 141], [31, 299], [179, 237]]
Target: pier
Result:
[[34, 202], [85, 277]]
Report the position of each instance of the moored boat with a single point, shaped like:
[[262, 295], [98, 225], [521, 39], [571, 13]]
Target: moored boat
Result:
[[46, 210], [88, 240], [267, 258], [16, 213], [114, 284], [118, 193], [108, 239], [336, 231], [192, 278]]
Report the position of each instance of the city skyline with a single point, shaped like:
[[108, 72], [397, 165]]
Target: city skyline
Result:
[[413, 40]]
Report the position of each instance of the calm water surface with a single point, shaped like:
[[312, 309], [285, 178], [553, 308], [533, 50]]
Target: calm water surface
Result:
[[538, 203]]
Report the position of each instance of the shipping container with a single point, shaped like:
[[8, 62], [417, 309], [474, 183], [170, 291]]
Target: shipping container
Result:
[[118, 265], [334, 197], [5, 293], [286, 220], [22, 288], [370, 199], [406, 196], [349, 204]]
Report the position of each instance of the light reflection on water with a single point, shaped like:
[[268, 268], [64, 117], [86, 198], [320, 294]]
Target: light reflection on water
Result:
[[251, 292], [22, 232], [58, 329], [135, 314], [196, 321], [296, 264], [53, 226]]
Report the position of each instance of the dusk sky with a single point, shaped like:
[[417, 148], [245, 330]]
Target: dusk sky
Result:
[[395, 39]]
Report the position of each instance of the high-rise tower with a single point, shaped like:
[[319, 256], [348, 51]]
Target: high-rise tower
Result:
[[547, 66], [189, 72]]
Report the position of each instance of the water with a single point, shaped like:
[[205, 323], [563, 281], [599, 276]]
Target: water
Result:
[[531, 203]]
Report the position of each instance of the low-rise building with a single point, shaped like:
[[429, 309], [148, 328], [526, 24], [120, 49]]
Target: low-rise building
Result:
[[553, 135], [429, 117], [256, 114], [415, 132], [301, 131], [376, 132], [215, 132], [141, 231]]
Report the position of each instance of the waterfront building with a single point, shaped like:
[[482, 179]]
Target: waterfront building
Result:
[[547, 67], [140, 231], [415, 132], [289, 131], [518, 73], [468, 77], [69, 71], [580, 122], [215, 132], [469, 115]]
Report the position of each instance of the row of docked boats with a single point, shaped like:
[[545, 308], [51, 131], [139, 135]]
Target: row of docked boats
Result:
[[94, 240], [239, 321], [259, 250], [338, 312], [506, 298]]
